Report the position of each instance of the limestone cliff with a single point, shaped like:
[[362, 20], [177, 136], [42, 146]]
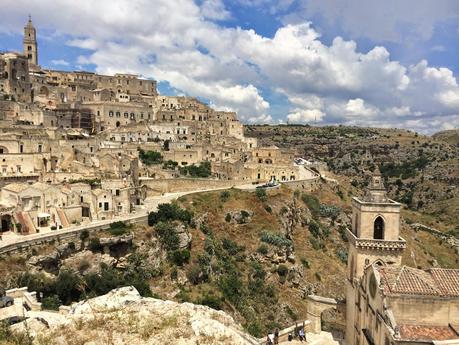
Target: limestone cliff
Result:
[[124, 317]]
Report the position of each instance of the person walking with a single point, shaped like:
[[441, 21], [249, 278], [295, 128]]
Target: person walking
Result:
[[276, 336], [301, 335]]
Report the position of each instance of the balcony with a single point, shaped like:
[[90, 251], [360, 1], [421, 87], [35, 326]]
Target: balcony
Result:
[[368, 243]]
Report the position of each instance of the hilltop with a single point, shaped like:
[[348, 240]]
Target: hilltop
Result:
[[420, 171]]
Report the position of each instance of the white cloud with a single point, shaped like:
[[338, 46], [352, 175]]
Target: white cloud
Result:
[[305, 116], [60, 62], [181, 43], [357, 107], [215, 9], [389, 20]]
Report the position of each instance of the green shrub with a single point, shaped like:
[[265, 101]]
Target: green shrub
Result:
[[180, 257], [51, 303], [277, 240], [201, 170], [268, 209], [305, 263], [167, 235], [261, 194], [283, 210], [118, 229], [68, 286], [282, 270], [231, 247], [211, 301], [228, 218], [84, 235], [316, 243], [168, 212], [170, 165], [312, 203], [194, 274], [150, 157], [342, 255], [225, 195], [314, 229], [329, 211], [255, 329], [94, 245], [263, 249]]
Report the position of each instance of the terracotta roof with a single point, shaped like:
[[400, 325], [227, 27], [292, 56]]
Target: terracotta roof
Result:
[[412, 281], [412, 332]]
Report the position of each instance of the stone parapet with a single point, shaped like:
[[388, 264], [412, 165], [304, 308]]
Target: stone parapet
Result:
[[368, 243]]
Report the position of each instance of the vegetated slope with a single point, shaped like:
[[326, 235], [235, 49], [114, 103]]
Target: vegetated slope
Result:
[[254, 255], [450, 136], [420, 171]]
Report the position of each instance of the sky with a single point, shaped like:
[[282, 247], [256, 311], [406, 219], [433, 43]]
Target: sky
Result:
[[374, 63]]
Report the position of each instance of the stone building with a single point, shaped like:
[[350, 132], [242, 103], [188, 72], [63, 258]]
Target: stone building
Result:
[[388, 303]]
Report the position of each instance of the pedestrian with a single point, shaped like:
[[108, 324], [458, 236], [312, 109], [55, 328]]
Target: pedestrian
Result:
[[268, 340], [290, 336], [271, 338], [276, 336], [301, 334]]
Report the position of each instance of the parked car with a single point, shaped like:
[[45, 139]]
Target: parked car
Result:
[[6, 301]]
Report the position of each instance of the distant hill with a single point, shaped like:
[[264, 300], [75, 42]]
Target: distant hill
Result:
[[420, 171], [450, 136]]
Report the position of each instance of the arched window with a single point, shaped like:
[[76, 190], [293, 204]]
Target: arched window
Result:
[[117, 123], [378, 229], [110, 113]]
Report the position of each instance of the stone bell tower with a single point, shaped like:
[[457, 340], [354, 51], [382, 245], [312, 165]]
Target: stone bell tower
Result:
[[30, 43], [374, 239]]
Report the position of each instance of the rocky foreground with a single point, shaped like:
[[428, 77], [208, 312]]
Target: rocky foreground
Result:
[[124, 317]]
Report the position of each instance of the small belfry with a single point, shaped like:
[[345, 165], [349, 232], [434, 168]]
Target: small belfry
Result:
[[374, 239], [30, 43]]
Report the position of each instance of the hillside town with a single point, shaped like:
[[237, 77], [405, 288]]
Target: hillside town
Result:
[[78, 146], [258, 247]]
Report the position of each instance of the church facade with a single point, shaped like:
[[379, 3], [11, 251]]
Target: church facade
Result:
[[388, 303]]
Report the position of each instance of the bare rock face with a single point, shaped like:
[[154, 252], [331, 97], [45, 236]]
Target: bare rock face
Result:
[[184, 237], [124, 317], [240, 216], [88, 262]]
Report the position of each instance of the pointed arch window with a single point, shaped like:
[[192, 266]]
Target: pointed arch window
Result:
[[378, 228]]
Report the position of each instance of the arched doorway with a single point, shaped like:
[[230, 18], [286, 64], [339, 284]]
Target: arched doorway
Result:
[[378, 228]]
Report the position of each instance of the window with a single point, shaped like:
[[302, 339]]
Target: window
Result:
[[110, 113], [118, 114], [126, 115], [132, 116], [378, 228], [40, 147], [21, 148], [105, 206], [117, 192], [29, 48]]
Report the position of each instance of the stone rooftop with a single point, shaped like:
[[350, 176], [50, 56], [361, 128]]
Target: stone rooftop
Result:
[[415, 332], [412, 281]]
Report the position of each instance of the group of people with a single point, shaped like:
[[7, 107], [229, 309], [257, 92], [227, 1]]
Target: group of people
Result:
[[273, 338]]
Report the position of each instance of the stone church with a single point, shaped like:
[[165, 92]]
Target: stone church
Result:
[[389, 303]]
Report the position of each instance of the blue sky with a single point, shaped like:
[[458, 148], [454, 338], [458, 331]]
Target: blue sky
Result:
[[356, 62]]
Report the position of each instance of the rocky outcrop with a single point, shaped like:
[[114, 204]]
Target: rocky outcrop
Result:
[[124, 317], [240, 216], [88, 262]]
